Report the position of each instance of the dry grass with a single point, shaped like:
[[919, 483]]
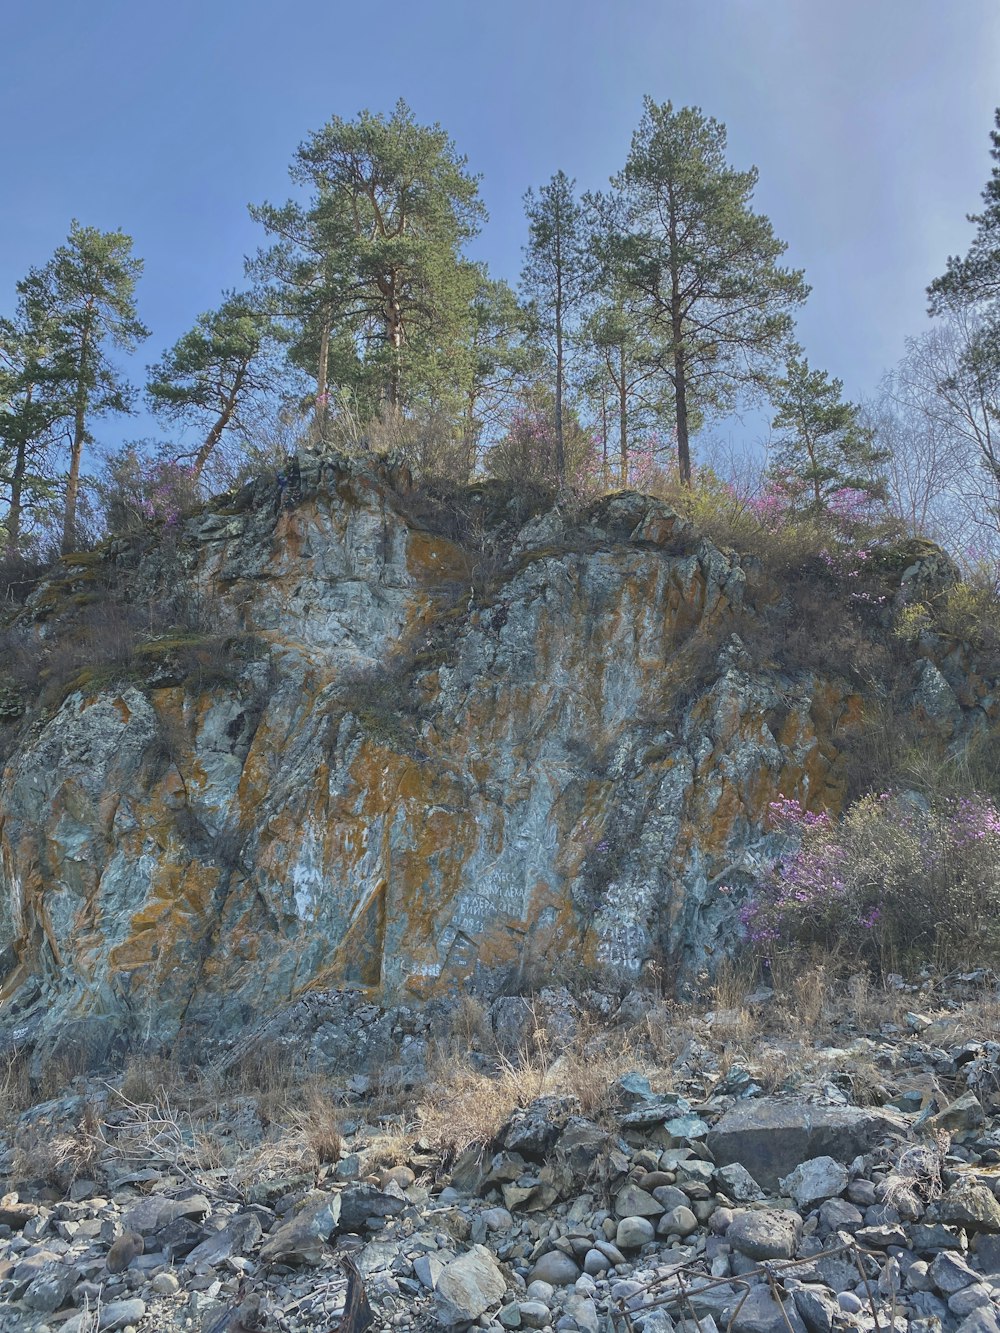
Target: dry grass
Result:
[[60, 1158], [15, 1088], [463, 1107]]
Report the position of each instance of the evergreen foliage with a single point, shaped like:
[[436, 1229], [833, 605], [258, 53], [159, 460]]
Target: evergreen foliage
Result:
[[822, 448], [84, 300], [698, 264], [216, 372], [555, 280], [370, 270]]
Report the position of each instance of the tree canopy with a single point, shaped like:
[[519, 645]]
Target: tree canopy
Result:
[[698, 263]]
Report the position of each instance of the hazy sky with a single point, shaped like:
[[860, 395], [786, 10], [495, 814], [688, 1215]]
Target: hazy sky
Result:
[[868, 120]]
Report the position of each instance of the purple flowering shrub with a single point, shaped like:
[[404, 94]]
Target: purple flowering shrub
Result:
[[894, 881], [138, 489]]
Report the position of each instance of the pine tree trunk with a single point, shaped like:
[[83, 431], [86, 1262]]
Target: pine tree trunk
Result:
[[76, 448], [683, 448], [13, 523], [319, 412], [560, 451], [623, 420], [215, 434]]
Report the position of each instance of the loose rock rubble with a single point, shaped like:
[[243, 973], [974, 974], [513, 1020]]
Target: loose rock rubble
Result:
[[704, 1207]]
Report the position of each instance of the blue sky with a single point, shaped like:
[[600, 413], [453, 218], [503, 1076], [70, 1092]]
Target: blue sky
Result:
[[868, 121]]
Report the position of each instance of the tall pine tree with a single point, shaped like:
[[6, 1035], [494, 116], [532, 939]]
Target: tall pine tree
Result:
[[85, 297], [699, 264]]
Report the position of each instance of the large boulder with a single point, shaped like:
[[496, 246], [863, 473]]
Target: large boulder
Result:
[[771, 1138]]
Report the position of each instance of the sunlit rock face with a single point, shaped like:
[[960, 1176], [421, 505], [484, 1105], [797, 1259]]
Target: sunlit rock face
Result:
[[444, 766]]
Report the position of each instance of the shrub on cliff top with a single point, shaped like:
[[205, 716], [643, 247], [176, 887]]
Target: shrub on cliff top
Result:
[[896, 881]]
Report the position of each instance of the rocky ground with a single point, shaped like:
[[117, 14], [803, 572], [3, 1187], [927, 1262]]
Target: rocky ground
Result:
[[853, 1185]]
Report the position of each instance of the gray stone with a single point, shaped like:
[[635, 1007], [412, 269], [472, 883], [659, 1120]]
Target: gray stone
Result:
[[678, 1222], [631, 1201], [595, 1263], [556, 1268], [817, 1305], [736, 1182], [961, 1116], [970, 1298], [237, 1237], [815, 1180], [49, 1291], [166, 1284], [302, 1238], [428, 1268], [634, 1232], [510, 1316], [113, 1315], [982, 1320], [154, 1212], [949, 1273], [849, 1303], [839, 1215], [582, 1310], [467, 1287], [769, 1233], [761, 1313], [987, 1251], [770, 1138], [970, 1205], [359, 1202], [534, 1314]]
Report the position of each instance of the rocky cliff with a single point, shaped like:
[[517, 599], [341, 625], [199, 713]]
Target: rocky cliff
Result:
[[393, 752]]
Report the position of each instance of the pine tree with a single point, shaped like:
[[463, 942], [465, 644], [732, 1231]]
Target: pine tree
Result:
[[822, 447], [372, 264], [555, 278], [699, 264], [975, 279], [215, 372], [85, 295], [27, 416]]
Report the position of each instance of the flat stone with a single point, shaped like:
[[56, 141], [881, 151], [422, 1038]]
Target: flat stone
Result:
[[770, 1138], [114, 1315], [949, 1273], [815, 1180], [237, 1237], [428, 1268], [302, 1239], [582, 1310], [818, 1307], [736, 1183], [631, 1201], [970, 1298], [839, 1215], [983, 1319], [467, 1287], [50, 1290]]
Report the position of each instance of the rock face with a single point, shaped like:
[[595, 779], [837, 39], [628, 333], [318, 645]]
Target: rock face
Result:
[[420, 773]]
